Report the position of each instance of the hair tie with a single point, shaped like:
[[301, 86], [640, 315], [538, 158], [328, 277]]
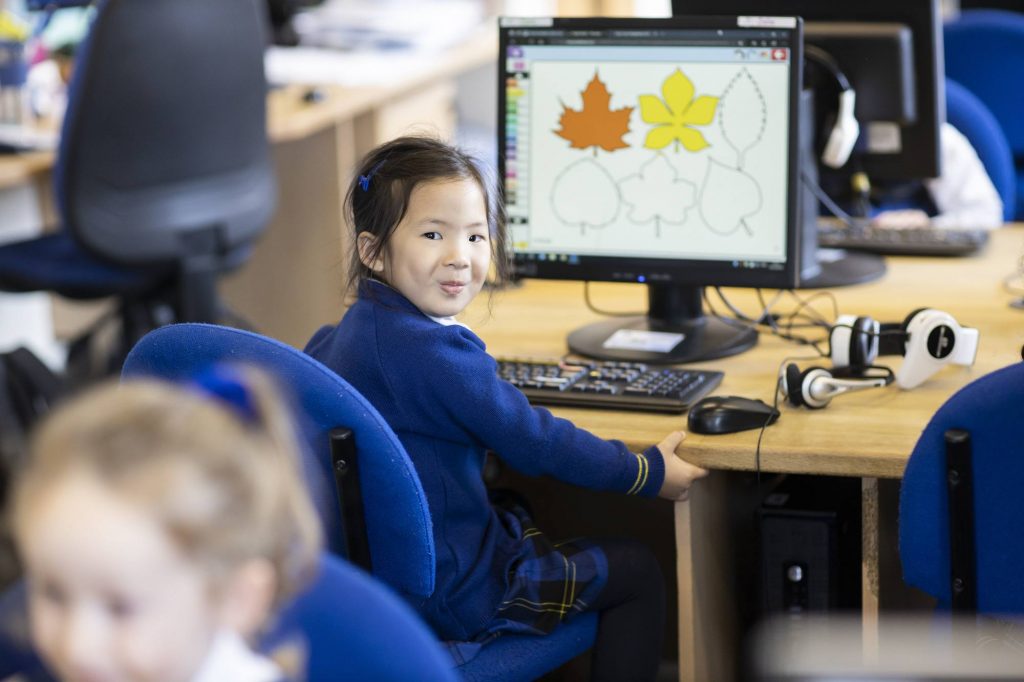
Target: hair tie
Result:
[[364, 180], [227, 386]]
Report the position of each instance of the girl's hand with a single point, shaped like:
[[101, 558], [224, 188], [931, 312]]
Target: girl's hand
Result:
[[679, 473]]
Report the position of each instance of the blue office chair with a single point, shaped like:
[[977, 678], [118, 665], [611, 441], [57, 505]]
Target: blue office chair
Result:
[[984, 52], [350, 442], [16, 654], [348, 626], [961, 513], [354, 628], [969, 115], [163, 176]]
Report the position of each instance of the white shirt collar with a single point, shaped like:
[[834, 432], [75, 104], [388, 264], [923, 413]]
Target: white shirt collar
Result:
[[230, 658], [447, 321]]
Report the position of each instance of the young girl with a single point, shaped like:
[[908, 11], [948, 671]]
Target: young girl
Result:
[[159, 526], [427, 232]]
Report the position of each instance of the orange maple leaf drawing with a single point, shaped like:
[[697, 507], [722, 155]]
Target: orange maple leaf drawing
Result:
[[595, 125]]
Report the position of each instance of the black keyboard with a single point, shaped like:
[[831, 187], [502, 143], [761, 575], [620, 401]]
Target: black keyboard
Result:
[[612, 385], [927, 241]]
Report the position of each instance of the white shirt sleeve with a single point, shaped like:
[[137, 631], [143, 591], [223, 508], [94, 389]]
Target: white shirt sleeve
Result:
[[963, 193]]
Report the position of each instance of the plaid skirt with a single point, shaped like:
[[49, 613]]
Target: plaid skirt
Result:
[[548, 582]]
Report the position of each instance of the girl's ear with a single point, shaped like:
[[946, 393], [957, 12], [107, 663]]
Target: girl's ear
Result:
[[366, 243], [248, 596]]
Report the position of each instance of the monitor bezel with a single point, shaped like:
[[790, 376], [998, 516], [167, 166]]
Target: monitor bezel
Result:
[[654, 271]]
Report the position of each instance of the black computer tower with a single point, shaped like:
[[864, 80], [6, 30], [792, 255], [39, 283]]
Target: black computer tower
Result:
[[809, 545]]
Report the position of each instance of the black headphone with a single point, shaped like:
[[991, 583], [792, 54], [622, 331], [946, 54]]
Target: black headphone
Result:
[[815, 387], [845, 129], [857, 341]]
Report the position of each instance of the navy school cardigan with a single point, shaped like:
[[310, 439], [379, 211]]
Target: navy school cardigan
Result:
[[438, 389]]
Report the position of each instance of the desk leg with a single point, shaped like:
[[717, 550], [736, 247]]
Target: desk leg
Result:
[[870, 539], [707, 623]]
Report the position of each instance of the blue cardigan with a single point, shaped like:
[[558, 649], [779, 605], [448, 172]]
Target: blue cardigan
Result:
[[439, 390]]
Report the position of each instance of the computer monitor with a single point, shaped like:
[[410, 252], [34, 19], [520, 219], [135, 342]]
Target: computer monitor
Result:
[[891, 53], [659, 151]]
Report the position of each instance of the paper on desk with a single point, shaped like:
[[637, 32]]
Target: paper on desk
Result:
[[357, 42], [25, 137], [356, 25], [313, 65]]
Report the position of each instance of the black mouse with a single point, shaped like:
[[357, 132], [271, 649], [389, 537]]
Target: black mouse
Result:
[[314, 95], [730, 413]]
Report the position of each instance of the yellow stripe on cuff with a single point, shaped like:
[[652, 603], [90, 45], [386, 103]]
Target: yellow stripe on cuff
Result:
[[641, 475]]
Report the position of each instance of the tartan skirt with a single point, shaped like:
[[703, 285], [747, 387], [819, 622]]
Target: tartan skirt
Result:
[[548, 582]]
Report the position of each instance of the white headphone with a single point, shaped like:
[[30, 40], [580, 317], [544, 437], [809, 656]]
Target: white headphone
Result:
[[928, 339], [815, 387], [846, 130]]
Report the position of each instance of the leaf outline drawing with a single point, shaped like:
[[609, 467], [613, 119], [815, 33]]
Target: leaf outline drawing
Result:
[[728, 211], [675, 114], [583, 178], [658, 194], [595, 124], [740, 100]]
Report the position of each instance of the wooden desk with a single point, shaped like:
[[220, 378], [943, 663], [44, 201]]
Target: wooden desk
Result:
[[869, 434]]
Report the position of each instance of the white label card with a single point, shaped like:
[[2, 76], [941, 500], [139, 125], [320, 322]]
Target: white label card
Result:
[[636, 339]]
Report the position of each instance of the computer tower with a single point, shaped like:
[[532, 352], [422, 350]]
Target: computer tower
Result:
[[809, 545]]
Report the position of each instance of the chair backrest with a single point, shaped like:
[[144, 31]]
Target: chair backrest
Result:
[[397, 519], [165, 131], [969, 115], [984, 52], [354, 628], [17, 657], [990, 410], [348, 625]]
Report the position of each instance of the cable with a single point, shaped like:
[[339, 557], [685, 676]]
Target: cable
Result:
[[595, 309], [825, 59], [790, 320], [775, 406], [830, 204]]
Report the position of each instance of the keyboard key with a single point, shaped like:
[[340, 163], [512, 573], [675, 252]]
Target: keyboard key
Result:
[[611, 385], [927, 241]]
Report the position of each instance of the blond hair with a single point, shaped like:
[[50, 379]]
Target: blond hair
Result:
[[227, 489]]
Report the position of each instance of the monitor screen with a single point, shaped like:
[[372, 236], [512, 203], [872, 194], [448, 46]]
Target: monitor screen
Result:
[[891, 53], [660, 151]]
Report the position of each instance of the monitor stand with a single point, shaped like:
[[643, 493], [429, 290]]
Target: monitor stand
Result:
[[681, 331], [840, 268], [827, 268]]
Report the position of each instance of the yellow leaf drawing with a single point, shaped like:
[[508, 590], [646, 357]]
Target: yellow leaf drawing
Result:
[[676, 113]]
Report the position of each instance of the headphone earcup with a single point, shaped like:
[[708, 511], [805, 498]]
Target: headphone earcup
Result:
[[843, 132], [794, 385], [799, 386], [863, 342]]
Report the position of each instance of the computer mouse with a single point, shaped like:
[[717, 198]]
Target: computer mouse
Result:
[[729, 413], [313, 95]]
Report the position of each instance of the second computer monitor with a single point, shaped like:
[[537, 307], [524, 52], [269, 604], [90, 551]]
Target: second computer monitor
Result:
[[891, 53]]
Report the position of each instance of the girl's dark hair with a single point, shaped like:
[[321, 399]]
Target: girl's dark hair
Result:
[[378, 197]]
